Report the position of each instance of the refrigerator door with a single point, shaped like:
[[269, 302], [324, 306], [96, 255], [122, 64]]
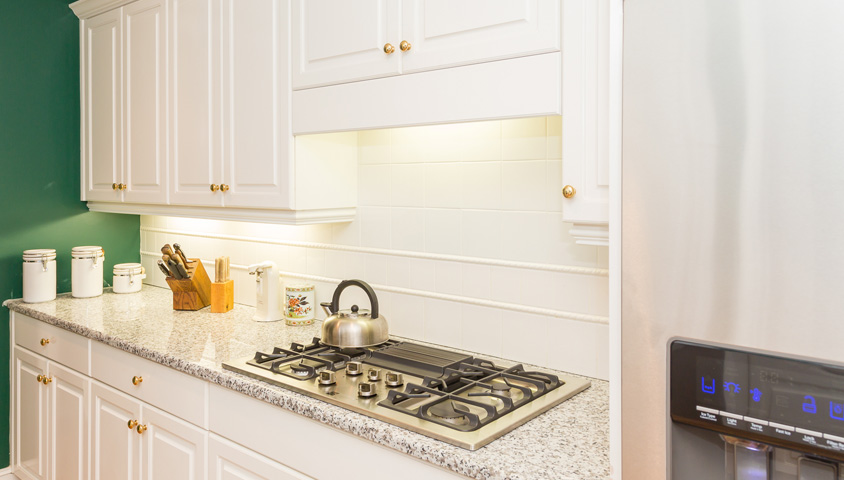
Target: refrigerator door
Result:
[[733, 192]]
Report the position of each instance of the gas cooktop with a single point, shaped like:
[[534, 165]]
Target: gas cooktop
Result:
[[453, 397]]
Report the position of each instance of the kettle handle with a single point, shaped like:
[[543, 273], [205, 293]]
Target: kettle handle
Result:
[[373, 300]]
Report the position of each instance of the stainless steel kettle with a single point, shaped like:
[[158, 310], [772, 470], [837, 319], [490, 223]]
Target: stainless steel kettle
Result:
[[353, 328]]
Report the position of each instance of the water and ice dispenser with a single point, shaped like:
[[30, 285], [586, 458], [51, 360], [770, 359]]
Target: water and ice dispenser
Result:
[[742, 415]]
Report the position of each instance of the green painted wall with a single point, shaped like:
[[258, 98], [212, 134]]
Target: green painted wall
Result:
[[39, 161]]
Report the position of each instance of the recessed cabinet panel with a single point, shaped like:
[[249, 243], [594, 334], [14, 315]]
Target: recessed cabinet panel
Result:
[[145, 109], [115, 447], [256, 107], [30, 415], [337, 41], [173, 449], [228, 461], [444, 33], [102, 146], [68, 431], [194, 103]]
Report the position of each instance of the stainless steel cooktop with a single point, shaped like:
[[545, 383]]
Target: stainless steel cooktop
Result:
[[463, 400]]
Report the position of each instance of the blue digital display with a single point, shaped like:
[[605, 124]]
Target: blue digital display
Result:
[[809, 404], [756, 395], [836, 411], [732, 387], [707, 388]]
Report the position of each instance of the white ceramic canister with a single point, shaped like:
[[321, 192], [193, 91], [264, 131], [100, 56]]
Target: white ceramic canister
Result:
[[127, 277], [39, 275], [299, 304], [86, 271]]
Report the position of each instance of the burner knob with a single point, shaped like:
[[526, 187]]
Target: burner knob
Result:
[[393, 379], [326, 377], [373, 375], [366, 390], [353, 369]]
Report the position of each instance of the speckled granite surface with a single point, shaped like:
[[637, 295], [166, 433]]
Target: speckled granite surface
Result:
[[570, 441]]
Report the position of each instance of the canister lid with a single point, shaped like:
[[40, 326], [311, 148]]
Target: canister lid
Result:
[[87, 251], [39, 253], [299, 287], [127, 268]]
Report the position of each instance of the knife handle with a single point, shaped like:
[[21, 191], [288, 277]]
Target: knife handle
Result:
[[181, 254], [182, 270]]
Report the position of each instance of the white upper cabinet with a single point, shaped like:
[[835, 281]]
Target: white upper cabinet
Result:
[[445, 33], [338, 41], [102, 164], [257, 143], [195, 152], [145, 107], [591, 115]]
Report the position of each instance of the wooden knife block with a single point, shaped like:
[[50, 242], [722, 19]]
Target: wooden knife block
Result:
[[222, 296], [192, 293]]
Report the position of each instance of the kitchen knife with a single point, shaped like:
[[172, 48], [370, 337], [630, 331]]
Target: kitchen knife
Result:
[[226, 269], [218, 270], [181, 254], [164, 268], [182, 270], [167, 250], [174, 267]]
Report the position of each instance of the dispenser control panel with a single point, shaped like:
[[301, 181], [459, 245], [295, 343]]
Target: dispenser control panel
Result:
[[776, 400]]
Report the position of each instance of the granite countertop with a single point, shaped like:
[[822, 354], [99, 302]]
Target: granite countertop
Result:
[[570, 441]]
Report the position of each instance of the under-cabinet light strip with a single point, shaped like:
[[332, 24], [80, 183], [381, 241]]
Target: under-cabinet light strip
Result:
[[601, 272], [580, 317]]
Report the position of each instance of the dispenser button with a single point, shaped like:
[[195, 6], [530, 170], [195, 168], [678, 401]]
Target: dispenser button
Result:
[[833, 437], [731, 415], [707, 410], [809, 432], [781, 426], [755, 420]]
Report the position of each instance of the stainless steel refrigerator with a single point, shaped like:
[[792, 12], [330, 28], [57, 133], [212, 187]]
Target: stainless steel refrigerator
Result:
[[732, 212]]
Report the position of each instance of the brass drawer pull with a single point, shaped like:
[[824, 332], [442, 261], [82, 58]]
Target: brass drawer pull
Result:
[[45, 341], [214, 187], [39, 378], [132, 424], [142, 429], [47, 380], [137, 380], [405, 45], [389, 48], [569, 191]]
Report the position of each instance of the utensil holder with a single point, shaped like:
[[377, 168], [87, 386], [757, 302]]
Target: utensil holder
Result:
[[222, 296], [191, 293]]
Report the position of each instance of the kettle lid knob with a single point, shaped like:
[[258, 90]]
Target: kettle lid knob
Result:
[[355, 309]]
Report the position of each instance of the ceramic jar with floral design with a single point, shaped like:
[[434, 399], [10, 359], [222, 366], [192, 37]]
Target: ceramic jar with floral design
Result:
[[299, 304]]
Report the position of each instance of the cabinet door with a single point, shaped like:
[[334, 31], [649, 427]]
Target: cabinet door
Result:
[[101, 97], [256, 108], [337, 41], [115, 447], [445, 33], [591, 116], [228, 461], [173, 449], [68, 424], [194, 73], [30, 415], [145, 107]]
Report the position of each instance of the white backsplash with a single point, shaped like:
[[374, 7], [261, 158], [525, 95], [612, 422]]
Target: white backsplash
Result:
[[459, 231]]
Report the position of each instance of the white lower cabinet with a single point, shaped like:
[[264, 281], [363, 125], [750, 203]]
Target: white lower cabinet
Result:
[[115, 446], [30, 415], [228, 461], [132, 440], [68, 423], [50, 419]]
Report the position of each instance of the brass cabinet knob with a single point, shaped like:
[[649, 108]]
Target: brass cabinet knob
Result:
[[114, 186], [45, 341], [123, 186], [137, 380], [214, 187], [224, 187], [132, 424], [389, 48], [142, 429], [39, 378], [47, 380], [405, 45], [569, 191]]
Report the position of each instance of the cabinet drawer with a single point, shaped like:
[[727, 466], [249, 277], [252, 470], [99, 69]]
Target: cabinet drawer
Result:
[[52, 342], [160, 386]]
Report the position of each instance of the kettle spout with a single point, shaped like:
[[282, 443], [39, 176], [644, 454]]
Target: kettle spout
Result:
[[327, 307]]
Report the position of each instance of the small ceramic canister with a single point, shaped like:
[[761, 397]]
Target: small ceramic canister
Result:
[[127, 277], [86, 271], [39, 275], [299, 304]]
